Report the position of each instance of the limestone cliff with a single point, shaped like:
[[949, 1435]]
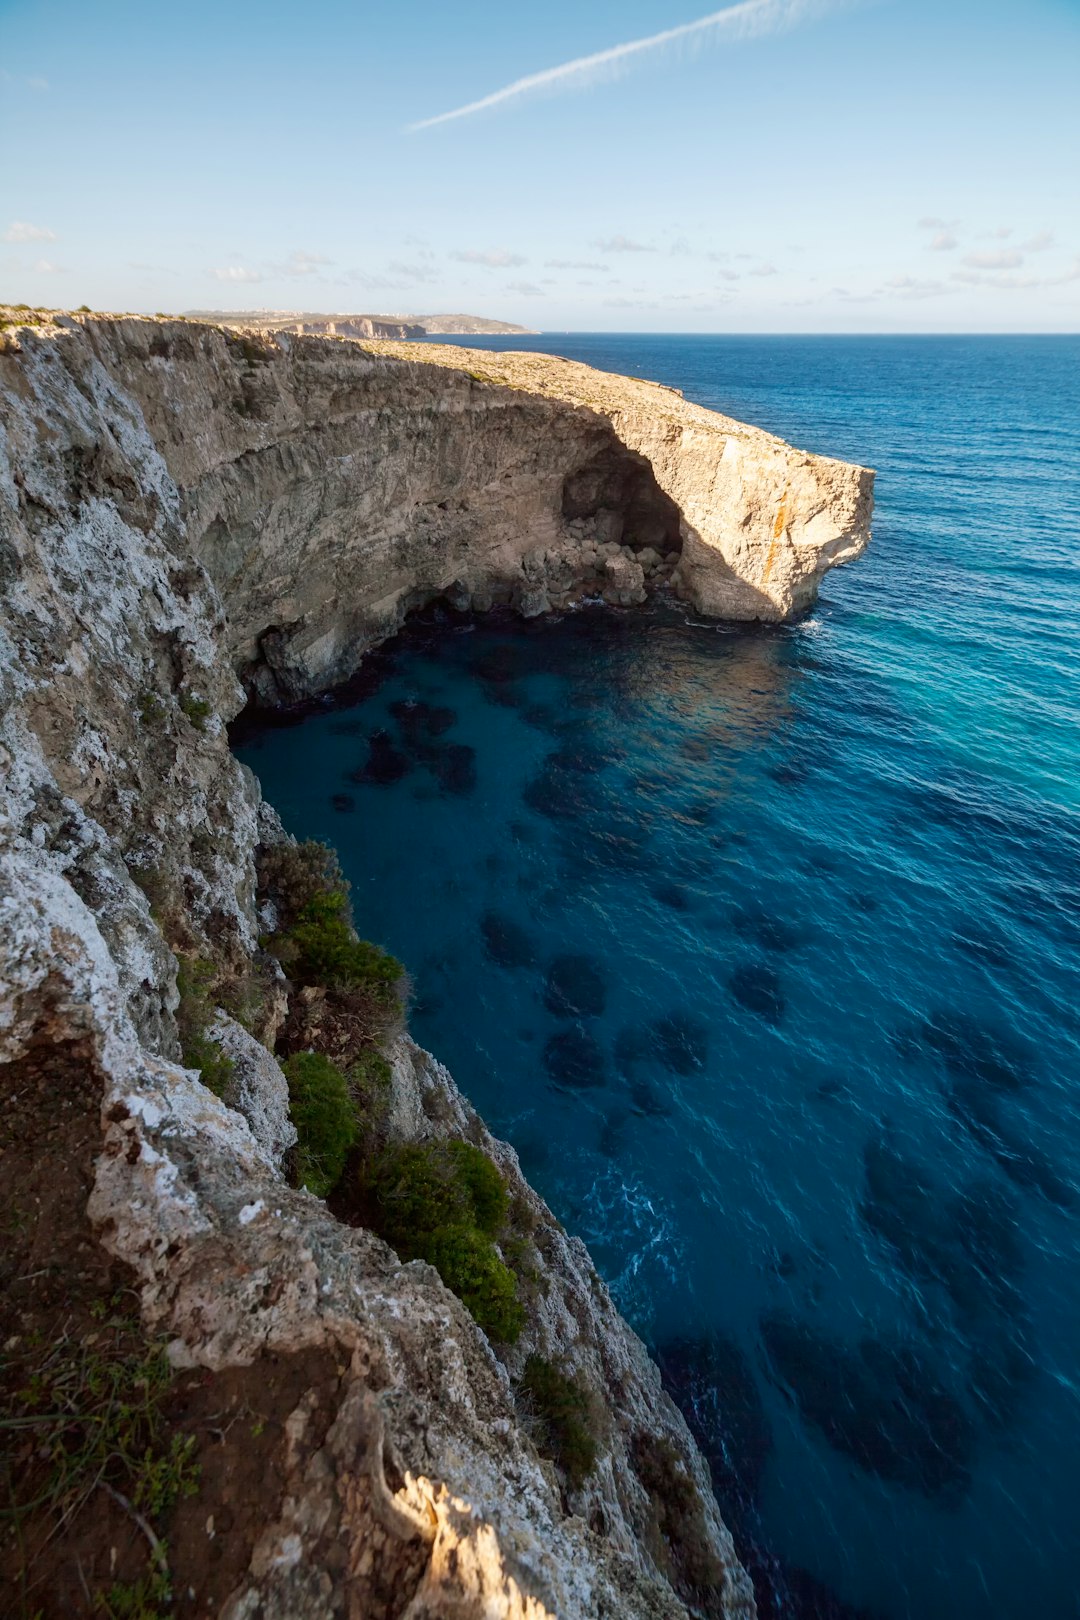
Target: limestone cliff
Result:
[[180, 505]]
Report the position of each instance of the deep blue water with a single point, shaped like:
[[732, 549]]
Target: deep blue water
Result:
[[810, 1091]]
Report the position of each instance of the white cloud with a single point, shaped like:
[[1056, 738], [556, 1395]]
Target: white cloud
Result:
[[931, 222], [741, 21], [493, 258], [241, 274], [38, 83], [1007, 260], [45, 268], [21, 231], [527, 289], [300, 263], [978, 278], [411, 273], [623, 244], [944, 242], [915, 287], [764, 270], [1039, 242], [573, 264]]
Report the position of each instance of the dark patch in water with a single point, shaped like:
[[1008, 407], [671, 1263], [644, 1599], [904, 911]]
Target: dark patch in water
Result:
[[756, 987], [764, 928], [419, 720], [680, 1041], [454, 769], [980, 1113], [574, 1060], [832, 1089], [543, 718], [878, 1404], [506, 942], [713, 1384], [698, 814], [648, 1101], [968, 1048], [385, 764], [575, 988], [673, 895], [563, 795], [584, 758], [499, 665], [343, 802]]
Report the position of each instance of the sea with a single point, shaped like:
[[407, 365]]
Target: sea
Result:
[[761, 946]]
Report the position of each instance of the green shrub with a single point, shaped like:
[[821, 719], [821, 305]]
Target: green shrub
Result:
[[561, 1409], [322, 1112], [315, 939], [194, 981], [151, 709], [323, 949], [469, 1266], [442, 1202], [414, 1191], [196, 709], [294, 874], [480, 1176]]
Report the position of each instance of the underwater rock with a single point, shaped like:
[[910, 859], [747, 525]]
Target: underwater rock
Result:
[[672, 895], [880, 1404], [574, 1060], [756, 987], [506, 942], [971, 1049], [385, 763], [342, 802], [575, 988], [680, 1041], [766, 929], [419, 720]]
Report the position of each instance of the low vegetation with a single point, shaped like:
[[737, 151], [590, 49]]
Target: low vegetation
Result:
[[562, 1419], [445, 1202], [315, 941], [85, 1417], [326, 1125], [197, 709], [194, 981]]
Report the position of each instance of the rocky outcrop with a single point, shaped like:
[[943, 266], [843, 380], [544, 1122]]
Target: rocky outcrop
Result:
[[179, 504], [357, 326], [328, 487]]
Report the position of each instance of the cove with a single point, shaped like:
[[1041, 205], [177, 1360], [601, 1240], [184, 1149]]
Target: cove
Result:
[[760, 946]]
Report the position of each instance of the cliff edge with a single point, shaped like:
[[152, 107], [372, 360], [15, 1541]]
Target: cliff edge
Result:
[[179, 507]]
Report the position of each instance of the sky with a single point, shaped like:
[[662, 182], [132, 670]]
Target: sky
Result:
[[784, 166]]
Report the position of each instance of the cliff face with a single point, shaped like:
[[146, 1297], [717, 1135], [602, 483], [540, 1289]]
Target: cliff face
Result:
[[356, 326], [178, 504], [329, 488]]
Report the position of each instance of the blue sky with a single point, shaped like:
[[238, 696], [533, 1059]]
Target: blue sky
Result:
[[893, 165]]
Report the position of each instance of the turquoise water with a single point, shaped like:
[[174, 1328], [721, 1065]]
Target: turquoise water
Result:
[[762, 947]]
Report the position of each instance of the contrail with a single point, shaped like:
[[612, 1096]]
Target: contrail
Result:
[[747, 18]]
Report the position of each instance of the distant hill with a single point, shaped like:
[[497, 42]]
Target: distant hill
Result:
[[356, 326]]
